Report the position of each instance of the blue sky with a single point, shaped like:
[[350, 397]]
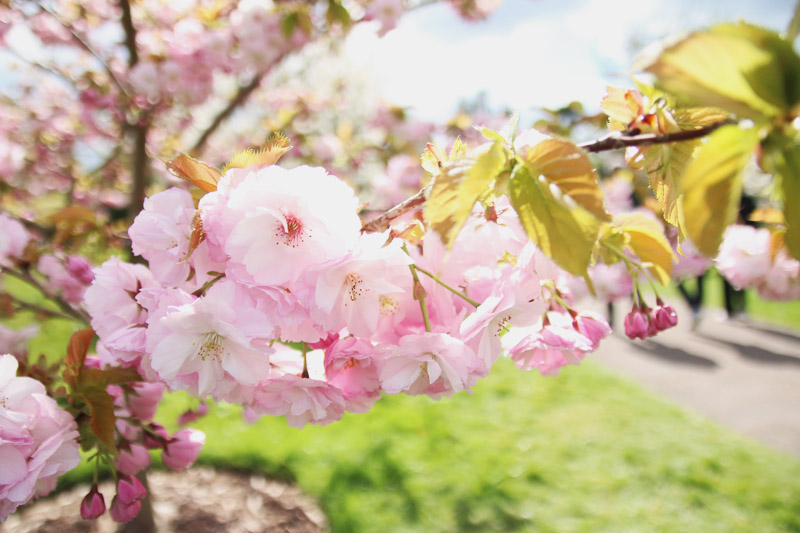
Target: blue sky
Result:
[[532, 53]]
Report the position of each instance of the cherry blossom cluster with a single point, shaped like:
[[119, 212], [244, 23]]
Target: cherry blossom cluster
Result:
[[38, 440], [134, 408], [745, 260], [643, 321], [269, 295]]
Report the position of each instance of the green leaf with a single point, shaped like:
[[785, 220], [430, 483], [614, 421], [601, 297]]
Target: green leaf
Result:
[[645, 238], [726, 67], [712, 185], [562, 163], [337, 13], [458, 186], [666, 174], [566, 234], [782, 157]]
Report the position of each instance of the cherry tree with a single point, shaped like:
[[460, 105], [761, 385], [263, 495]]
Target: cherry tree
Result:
[[259, 277]]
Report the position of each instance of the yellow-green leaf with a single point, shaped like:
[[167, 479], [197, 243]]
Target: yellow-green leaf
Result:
[[199, 174], [645, 238], [665, 176], [269, 154], [723, 68], [564, 164], [712, 185], [566, 234], [697, 117], [782, 157], [458, 186]]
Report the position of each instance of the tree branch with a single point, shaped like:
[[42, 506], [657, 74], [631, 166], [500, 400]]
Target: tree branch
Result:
[[86, 46], [130, 32], [610, 142], [380, 223], [64, 306], [619, 140], [241, 96], [52, 313]]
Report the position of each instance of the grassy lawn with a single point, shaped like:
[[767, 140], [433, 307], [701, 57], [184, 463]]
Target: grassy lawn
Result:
[[587, 451]]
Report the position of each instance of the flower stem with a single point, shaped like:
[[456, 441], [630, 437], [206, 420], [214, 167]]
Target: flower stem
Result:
[[419, 293], [448, 287]]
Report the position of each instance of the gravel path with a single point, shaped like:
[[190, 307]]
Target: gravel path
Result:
[[742, 374]]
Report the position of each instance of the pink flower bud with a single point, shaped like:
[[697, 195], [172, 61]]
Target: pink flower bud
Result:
[[129, 489], [133, 460], [93, 505], [182, 450], [593, 326], [122, 512], [665, 317], [190, 416], [151, 441], [144, 403], [637, 324]]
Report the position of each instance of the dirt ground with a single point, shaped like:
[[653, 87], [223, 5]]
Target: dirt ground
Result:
[[199, 500]]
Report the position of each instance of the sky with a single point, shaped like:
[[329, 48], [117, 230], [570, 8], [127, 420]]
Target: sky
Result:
[[531, 53]]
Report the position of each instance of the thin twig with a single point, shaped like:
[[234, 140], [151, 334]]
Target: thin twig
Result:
[[241, 96], [86, 46], [619, 140], [64, 306], [40, 309], [380, 223]]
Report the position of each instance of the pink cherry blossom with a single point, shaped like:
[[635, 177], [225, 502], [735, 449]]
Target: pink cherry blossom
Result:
[[302, 400], [133, 459], [743, 256], [13, 239], [516, 300], [593, 326], [348, 292], [212, 345], [182, 449], [549, 347], [277, 223], [38, 441], [350, 366], [429, 363]]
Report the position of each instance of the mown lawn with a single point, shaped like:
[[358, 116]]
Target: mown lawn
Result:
[[586, 451]]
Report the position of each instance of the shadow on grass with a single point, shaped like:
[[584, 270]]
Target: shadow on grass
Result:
[[376, 471], [674, 355]]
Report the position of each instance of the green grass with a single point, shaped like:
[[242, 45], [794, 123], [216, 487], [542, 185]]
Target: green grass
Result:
[[586, 451]]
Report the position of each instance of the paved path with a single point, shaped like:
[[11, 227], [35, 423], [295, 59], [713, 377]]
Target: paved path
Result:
[[742, 374]]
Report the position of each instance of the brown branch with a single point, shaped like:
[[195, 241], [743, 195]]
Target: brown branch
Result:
[[380, 223], [619, 140], [64, 306], [241, 96], [86, 46], [130, 32], [52, 313]]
